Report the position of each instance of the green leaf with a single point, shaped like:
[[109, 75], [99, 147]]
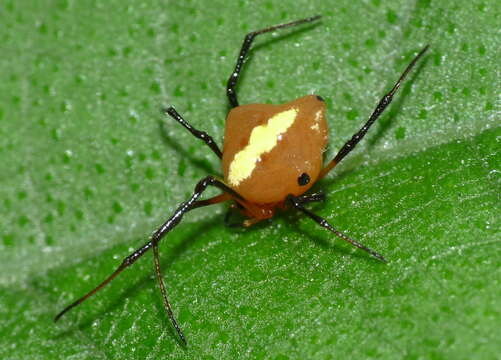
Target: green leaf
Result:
[[90, 166]]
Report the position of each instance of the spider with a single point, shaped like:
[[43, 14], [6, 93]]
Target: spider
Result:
[[272, 155]]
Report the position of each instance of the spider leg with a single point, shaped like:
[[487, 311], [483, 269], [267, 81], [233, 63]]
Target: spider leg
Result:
[[167, 226], [213, 200], [249, 38], [167, 306], [202, 135], [322, 222], [309, 198], [381, 106]]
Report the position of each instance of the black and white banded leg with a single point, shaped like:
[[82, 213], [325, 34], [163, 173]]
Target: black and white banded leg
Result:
[[249, 38], [381, 106], [202, 135], [296, 202], [166, 227]]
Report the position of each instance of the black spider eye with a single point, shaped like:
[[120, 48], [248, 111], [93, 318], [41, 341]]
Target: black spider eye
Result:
[[319, 98], [303, 179]]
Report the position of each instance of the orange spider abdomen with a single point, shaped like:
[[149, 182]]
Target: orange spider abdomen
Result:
[[268, 147]]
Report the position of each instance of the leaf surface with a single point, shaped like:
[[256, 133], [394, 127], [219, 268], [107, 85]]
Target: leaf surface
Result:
[[90, 166]]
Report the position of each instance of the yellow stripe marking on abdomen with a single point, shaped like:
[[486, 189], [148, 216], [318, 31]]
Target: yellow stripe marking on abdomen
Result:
[[263, 139]]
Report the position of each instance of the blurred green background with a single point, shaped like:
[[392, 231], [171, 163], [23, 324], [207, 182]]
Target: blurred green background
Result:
[[89, 166]]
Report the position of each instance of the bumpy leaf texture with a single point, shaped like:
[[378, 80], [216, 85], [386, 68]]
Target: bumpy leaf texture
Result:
[[90, 166]]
